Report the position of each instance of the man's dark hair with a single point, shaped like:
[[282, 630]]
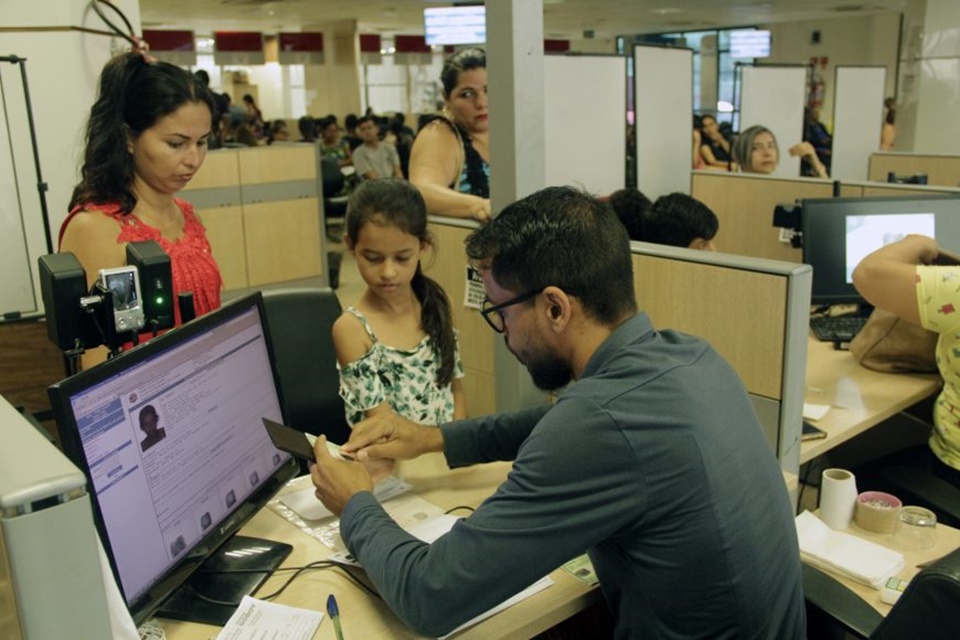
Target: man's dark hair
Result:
[[562, 237], [678, 219], [363, 119], [631, 206]]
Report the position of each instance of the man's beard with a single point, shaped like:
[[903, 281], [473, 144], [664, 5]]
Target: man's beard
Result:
[[547, 370]]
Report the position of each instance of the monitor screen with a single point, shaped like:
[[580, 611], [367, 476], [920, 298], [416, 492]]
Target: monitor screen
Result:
[[749, 43], [839, 232], [171, 439], [455, 25]]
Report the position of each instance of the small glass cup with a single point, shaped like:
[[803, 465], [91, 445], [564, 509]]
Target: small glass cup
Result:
[[917, 528]]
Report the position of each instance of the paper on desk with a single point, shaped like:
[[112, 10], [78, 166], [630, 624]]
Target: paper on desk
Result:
[[860, 560], [536, 587], [814, 411], [305, 502], [427, 530], [256, 619]]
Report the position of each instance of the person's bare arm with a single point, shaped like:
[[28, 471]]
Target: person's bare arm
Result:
[[806, 150], [92, 238], [434, 163], [459, 399], [887, 277]]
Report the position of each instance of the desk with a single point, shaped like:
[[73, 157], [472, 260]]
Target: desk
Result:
[[859, 398], [948, 539], [371, 619]]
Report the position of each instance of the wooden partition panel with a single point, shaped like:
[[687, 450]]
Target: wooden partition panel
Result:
[[877, 190], [941, 170], [263, 212], [447, 264], [744, 205], [741, 313]]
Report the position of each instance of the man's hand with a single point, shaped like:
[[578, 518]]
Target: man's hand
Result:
[[336, 480], [389, 436]]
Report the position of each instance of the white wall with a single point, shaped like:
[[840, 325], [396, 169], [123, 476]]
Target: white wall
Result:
[[62, 66], [863, 40]]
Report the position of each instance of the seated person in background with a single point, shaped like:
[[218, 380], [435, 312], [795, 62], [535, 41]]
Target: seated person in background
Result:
[[332, 145], [631, 206], [902, 279], [681, 221], [714, 147], [652, 460], [888, 131], [146, 138], [308, 129], [756, 151], [278, 132], [350, 131], [396, 349], [375, 159], [815, 132], [238, 133]]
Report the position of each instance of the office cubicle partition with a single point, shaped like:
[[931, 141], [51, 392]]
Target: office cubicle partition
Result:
[[773, 96], [941, 169], [754, 312], [857, 120], [583, 117]]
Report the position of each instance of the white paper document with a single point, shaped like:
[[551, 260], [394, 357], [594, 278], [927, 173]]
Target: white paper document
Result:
[[305, 502], [257, 619], [814, 411]]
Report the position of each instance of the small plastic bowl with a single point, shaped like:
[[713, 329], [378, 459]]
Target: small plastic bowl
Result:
[[877, 511]]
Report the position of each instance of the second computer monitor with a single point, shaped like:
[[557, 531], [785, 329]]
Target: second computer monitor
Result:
[[839, 232]]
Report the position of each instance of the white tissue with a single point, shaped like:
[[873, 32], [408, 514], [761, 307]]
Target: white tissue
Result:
[[860, 560]]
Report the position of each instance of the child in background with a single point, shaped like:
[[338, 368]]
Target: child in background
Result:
[[397, 348]]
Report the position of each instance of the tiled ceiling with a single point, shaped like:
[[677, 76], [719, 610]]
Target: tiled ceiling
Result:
[[562, 18]]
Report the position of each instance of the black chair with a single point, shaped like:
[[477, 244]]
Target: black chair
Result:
[[334, 198], [927, 609], [300, 321]]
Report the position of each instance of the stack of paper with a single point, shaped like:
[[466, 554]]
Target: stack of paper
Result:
[[858, 559]]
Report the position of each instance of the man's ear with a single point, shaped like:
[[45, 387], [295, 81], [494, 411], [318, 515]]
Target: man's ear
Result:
[[558, 307]]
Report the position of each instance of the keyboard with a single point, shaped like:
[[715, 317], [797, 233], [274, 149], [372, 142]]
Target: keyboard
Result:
[[843, 328]]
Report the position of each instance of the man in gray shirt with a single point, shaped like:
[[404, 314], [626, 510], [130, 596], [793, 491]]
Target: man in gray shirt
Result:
[[652, 461], [373, 158]]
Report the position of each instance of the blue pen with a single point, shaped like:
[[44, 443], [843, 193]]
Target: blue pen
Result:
[[334, 611]]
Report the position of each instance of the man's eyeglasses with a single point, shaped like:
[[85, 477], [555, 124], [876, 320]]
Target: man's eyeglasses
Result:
[[493, 313]]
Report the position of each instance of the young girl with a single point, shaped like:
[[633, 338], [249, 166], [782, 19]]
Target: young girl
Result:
[[397, 348]]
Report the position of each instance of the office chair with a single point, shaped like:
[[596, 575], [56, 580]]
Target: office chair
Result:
[[334, 200], [927, 609], [300, 321]]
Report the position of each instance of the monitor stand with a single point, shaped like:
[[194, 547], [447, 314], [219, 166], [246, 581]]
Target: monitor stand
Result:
[[214, 580]]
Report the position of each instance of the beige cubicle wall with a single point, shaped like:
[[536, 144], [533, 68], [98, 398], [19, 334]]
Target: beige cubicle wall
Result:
[[941, 170], [754, 312], [263, 211], [447, 264], [886, 190], [744, 205]]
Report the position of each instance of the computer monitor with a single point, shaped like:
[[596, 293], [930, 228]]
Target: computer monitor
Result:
[[839, 232], [171, 439]]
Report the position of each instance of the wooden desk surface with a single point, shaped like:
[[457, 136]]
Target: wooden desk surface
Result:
[[948, 539], [369, 618], [859, 398]]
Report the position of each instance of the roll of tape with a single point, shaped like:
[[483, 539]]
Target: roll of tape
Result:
[[877, 511]]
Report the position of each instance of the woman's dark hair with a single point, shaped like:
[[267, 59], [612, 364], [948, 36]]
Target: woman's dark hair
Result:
[[308, 128], [463, 60], [133, 94], [397, 203]]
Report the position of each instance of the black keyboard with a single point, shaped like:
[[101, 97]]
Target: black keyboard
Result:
[[843, 328]]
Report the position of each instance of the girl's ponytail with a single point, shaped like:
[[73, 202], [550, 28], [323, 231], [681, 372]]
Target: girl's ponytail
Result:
[[437, 320]]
